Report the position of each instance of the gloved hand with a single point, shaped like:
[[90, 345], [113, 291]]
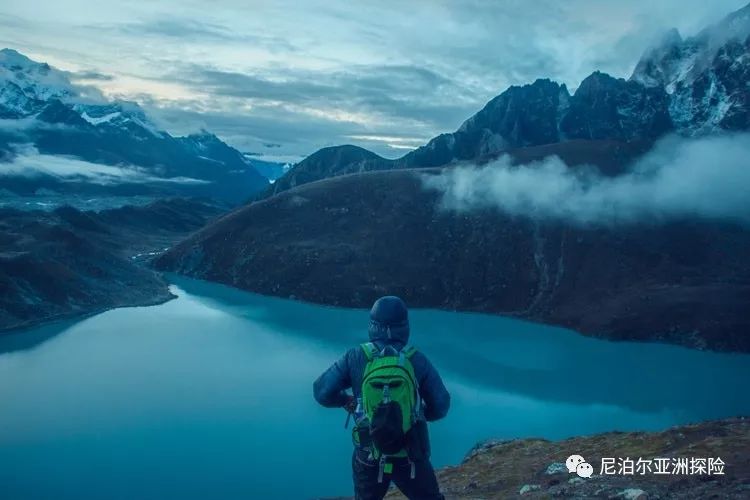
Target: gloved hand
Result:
[[351, 404]]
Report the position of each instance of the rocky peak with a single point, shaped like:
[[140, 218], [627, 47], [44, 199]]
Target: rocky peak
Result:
[[57, 112], [526, 115], [735, 26], [674, 60], [658, 66], [704, 75], [604, 107], [204, 137], [522, 115], [206, 145]]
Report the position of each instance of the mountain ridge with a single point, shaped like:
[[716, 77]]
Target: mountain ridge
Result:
[[644, 107]]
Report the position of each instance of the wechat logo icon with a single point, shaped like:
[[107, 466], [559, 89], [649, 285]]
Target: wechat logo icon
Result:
[[578, 464]]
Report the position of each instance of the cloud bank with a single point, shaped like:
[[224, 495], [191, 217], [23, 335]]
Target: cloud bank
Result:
[[28, 162], [707, 177]]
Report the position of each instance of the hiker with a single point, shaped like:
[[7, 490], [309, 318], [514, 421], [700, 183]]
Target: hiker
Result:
[[396, 390]]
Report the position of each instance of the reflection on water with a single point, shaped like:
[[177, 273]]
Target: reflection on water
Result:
[[209, 395]]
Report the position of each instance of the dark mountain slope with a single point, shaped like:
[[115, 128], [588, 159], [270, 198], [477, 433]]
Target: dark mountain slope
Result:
[[67, 262], [328, 162], [350, 239]]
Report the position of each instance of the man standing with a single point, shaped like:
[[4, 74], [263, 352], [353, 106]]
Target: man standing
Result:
[[395, 391]]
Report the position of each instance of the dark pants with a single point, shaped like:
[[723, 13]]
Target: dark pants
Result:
[[424, 486]]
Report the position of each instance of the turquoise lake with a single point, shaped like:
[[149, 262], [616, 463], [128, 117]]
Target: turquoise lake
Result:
[[210, 395]]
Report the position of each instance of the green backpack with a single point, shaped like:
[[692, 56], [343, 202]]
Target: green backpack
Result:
[[390, 399]]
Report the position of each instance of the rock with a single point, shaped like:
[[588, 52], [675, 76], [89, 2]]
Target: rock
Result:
[[556, 468], [528, 488], [483, 446], [633, 494]]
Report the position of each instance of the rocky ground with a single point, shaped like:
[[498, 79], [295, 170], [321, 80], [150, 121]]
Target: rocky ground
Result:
[[535, 468], [67, 262]]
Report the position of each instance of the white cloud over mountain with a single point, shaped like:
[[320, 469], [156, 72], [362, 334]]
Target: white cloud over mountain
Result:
[[30, 163], [706, 177]]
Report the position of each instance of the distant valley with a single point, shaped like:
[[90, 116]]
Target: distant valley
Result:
[[66, 262]]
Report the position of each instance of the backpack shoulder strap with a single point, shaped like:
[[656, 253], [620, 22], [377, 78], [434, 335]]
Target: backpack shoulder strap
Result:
[[405, 353], [409, 350], [370, 349]]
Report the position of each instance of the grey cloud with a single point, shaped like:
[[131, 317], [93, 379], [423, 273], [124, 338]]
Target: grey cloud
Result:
[[90, 75], [403, 92], [299, 133], [516, 42], [706, 177], [12, 21], [178, 28]]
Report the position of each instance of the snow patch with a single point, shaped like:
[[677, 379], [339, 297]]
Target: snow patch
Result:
[[99, 120]]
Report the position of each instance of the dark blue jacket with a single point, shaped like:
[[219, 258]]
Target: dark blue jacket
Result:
[[387, 327]]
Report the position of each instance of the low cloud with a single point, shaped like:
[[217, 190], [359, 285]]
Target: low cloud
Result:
[[708, 177], [90, 76], [28, 162], [19, 128]]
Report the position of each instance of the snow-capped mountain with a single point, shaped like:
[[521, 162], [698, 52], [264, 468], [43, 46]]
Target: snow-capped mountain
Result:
[[56, 117], [119, 115], [705, 76], [27, 85]]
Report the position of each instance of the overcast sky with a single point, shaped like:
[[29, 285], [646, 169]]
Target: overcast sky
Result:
[[286, 77]]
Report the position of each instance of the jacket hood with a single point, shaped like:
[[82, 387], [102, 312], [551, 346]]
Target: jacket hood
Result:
[[389, 321]]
